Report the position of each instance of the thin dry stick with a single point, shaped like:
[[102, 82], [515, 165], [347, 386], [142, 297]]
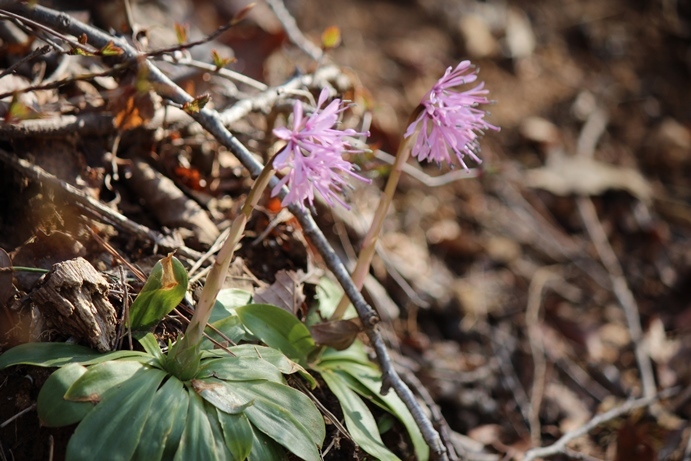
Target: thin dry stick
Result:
[[293, 31], [621, 291], [212, 122], [532, 319], [24, 411], [590, 134], [560, 445], [270, 96]]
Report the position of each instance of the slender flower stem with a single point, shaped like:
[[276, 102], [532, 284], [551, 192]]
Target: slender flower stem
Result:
[[215, 278], [369, 243]]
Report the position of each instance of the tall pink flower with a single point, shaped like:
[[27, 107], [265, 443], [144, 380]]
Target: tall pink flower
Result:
[[313, 155], [450, 119]]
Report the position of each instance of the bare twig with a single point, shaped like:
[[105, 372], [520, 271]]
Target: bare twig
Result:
[[621, 291], [293, 31], [532, 319], [24, 411], [627, 407], [83, 124], [223, 72], [37, 52], [590, 134], [36, 25], [213, 123], [269, 97]]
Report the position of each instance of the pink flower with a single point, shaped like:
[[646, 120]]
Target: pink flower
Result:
[[313, 155], [450, 119]]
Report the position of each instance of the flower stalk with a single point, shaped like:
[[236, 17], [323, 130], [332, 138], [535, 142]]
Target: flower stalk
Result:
[[184, 355], [446, 121]]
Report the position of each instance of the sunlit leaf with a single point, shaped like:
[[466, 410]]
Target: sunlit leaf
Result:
[[113, 428], [219, 61], [331, 37], [221, 395], [286, 415], [19, 111], [197, 104], [111, 50], [240, 369], [278, 328], [150, 345], [328, 296], [100, 378], [53, 409], [359, 420], [181, 32], [366, 381], [60, 354], [163, 290]]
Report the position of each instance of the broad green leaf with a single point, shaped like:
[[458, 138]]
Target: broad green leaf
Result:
[[150, 345], [230, 326], [366, 381], [237, 432], [286, 415], [100, 378], [278, 328], [230, 299], [240, 369], [173, 440], [163, 290], [53, 409], [329, 294], [358, 418], [58, 355], [265, 449], [197, 442], [113, 428], [168, 407], [222, 395], [219, 439], [269, 354], [355, 353]]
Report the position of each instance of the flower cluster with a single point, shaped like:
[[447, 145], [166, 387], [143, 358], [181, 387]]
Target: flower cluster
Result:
[[314, 154], [450, 120]]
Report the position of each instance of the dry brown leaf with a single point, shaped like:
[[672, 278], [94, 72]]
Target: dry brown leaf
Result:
[[285, 292], [566, 175], [339, 334]]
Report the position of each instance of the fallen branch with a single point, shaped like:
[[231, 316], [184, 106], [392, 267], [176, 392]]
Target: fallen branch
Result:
[[560, 445], [111, 216]]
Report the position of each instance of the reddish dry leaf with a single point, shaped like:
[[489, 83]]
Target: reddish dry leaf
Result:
[[133, 109]]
